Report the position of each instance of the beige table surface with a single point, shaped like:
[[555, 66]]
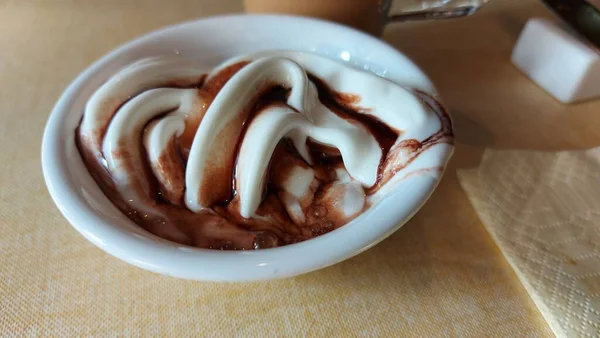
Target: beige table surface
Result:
[[440, 275]]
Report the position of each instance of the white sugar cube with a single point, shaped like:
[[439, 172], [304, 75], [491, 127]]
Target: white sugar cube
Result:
[[558, 61]]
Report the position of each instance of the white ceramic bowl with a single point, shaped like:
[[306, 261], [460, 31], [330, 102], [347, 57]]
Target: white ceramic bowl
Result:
[[211, 41]]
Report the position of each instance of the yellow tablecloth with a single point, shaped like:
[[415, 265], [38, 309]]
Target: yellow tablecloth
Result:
[[440, 275]]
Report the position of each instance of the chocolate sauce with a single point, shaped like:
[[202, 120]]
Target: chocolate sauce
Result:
[[324, 155], [221, 226], [344, 105], [413, 148], [214, 85]]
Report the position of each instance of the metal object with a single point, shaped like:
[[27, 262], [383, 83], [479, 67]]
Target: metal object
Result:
[[432, 9], [582, 16]]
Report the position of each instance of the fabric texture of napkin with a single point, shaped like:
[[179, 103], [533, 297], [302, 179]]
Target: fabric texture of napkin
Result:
[[543, 210]]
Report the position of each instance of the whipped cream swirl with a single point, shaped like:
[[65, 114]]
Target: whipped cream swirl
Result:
[[257, 151]]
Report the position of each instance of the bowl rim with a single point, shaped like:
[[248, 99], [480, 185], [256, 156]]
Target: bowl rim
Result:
[[158, 255]]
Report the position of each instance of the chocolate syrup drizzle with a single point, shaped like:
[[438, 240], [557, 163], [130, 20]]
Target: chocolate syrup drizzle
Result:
[[221, 227]]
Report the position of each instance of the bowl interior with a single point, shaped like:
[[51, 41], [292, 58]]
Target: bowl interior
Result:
[[210, 42]]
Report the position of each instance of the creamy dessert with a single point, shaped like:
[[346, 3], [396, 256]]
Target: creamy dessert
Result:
[[267, 149]]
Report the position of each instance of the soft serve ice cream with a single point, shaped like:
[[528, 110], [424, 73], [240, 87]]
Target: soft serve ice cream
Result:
[[267, 149]]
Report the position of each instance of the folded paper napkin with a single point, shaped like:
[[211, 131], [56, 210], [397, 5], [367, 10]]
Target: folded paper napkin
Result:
[[543, 210]]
